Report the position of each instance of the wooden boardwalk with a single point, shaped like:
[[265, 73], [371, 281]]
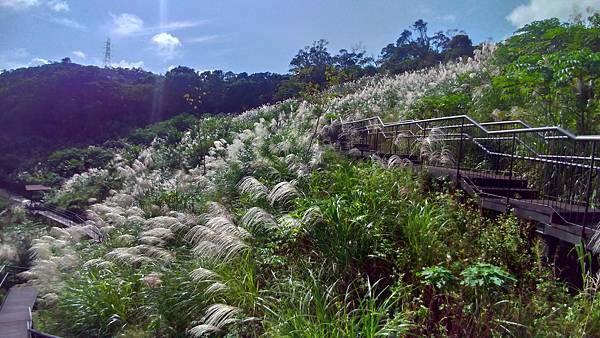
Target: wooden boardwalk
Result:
[[15, 314]]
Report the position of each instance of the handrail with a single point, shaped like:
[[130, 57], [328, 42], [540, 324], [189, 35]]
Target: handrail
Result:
[[553, 148], [526, 128], [69, 215]]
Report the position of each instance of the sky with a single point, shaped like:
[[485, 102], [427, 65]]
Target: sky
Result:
[[241, 35]]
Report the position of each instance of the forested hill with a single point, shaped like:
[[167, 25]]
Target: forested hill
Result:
[[46, 108], [61, 105]]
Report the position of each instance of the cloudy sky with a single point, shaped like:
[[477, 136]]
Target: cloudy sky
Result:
[[241, 35]]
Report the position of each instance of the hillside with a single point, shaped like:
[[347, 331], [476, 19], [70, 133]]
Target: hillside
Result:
[[258, 225], [59, 105]]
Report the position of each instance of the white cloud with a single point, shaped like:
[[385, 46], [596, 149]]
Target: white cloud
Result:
[[544, 9], [167, 45], [69, 23], [449, 18], [127, 64], [59, 5], [20, 58], [13, 58], [126, 24], [19, 4], [38, 62], [201, 39], [176, 25], [80, 54]]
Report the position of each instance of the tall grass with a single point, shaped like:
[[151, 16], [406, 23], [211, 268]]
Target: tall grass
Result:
[[313, 306]]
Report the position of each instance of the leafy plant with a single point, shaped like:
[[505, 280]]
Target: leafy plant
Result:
[[438, 277], [483, 276]]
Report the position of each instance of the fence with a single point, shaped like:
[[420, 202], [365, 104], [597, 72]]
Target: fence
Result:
[[546, 166]]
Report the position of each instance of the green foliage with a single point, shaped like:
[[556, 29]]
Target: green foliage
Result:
[[3, 203], [442, 105], [310, 306], [421, 230], [170, 130], [437, 276], [413, 53], [484, 276], [99, 305], [550, 70], [347, 196]]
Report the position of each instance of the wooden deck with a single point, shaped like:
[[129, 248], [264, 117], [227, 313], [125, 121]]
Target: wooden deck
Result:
[[15, 314]]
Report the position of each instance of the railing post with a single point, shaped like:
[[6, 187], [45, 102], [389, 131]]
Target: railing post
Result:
[[376, 140], [510, 173], [588, 191], [460, 151], [422, 141]]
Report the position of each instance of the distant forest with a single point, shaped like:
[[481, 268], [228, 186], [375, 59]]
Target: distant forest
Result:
[[63, 104]]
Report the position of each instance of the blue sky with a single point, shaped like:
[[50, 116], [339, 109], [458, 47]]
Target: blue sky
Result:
[[240, 35]]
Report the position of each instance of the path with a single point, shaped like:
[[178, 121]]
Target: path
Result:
[[545, 174], [15, 314]]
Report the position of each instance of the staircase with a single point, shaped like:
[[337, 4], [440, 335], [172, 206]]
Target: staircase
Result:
[[564, 168]]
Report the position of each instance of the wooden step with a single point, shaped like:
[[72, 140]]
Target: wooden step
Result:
[[523, 193], [591, 219], [498, 181]]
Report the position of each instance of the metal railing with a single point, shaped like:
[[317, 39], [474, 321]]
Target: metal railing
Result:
[[69, 215], [8, 270], [549, 166]]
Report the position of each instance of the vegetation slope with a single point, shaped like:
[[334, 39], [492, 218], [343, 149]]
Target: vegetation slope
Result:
[[269, 232]]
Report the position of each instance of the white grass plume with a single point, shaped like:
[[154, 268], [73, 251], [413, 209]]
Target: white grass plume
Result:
[[253, 187], [378, 160], [162, 233], [203, 330], [215, 288], [288, 221], [215, 209], [282, 193], [223, 248], [220, 315], [312, 215], [222, 224], [434, 150], [162, 222], [216, 318], [203, 275], [354, 152], [394, 161], [151, 240], [140, 254], [257, 216]]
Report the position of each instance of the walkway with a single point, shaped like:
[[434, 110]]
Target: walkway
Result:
[[54, 214], [15, 314], [545, 174]]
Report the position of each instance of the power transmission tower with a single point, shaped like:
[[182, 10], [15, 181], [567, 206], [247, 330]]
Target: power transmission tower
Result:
[[107, 54]]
